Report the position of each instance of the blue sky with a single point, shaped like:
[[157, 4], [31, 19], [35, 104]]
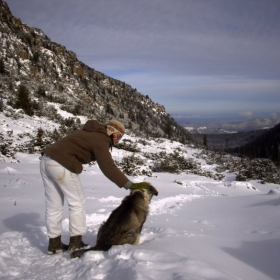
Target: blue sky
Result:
[[195, 57]]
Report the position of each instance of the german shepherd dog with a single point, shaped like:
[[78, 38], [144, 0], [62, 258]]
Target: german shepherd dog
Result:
[[125, 223]]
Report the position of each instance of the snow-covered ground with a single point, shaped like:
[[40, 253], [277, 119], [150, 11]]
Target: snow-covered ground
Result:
[[198, 228]]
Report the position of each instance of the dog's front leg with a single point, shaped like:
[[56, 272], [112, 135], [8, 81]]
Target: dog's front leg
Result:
[[137, 234], [130, 237]]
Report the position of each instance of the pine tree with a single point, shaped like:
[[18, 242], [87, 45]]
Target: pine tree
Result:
[[23, 100], [205, 141], [39, 138], [55, 135], [278, 153], [41, 91], [1, 105], [168, 129], [109, 109], [2, 66], [77, 110]]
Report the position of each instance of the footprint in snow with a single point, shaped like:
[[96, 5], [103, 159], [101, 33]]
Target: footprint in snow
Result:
[[170, 204]]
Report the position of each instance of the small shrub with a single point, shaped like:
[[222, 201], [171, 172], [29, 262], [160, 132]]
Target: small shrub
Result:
[[173, 163], [128, 146], [134, 166]]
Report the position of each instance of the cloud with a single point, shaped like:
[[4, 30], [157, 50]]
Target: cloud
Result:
[[191, 37], [186, 55]]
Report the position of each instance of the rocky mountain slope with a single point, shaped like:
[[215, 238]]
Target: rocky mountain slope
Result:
[[39, 76]]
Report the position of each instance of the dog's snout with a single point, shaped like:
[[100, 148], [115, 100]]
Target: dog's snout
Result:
[[153, 190]]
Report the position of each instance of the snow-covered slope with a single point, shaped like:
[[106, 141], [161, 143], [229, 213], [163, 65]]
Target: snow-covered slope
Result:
[[198, 228]]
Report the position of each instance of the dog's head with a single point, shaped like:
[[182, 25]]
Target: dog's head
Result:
[[152, 191], [148, 193]]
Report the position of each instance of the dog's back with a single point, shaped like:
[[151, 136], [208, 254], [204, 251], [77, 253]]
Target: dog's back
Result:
[[125, 223]]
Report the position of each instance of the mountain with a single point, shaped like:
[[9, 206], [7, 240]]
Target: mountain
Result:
[[222, 142], [230, 127], [42, 78], [266, 145]]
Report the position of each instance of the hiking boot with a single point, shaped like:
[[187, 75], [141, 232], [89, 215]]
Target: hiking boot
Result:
[[76, 243], [56, 246]]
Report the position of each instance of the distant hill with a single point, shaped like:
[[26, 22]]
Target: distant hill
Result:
[[230, 127], [223, 142], [266, 145]]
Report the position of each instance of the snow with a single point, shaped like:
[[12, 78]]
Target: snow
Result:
[[25, 125], [189, 128], [198, 228]]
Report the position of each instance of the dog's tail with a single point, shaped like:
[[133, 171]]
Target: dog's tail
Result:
[[98, 247], [79, 253]]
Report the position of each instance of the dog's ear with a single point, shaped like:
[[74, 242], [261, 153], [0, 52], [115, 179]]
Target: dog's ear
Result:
[[153, 190]]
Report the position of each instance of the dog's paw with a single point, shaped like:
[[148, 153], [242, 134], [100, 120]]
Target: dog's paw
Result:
[[77, 254]]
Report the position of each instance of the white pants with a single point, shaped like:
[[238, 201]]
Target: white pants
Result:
[[60, 183]]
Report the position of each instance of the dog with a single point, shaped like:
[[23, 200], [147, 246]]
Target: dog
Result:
[[125, 223]]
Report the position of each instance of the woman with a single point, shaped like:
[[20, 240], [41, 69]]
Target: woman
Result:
[[60, 165]]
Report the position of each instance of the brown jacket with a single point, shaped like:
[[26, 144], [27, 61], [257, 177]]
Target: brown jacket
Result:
[[83, 146]]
